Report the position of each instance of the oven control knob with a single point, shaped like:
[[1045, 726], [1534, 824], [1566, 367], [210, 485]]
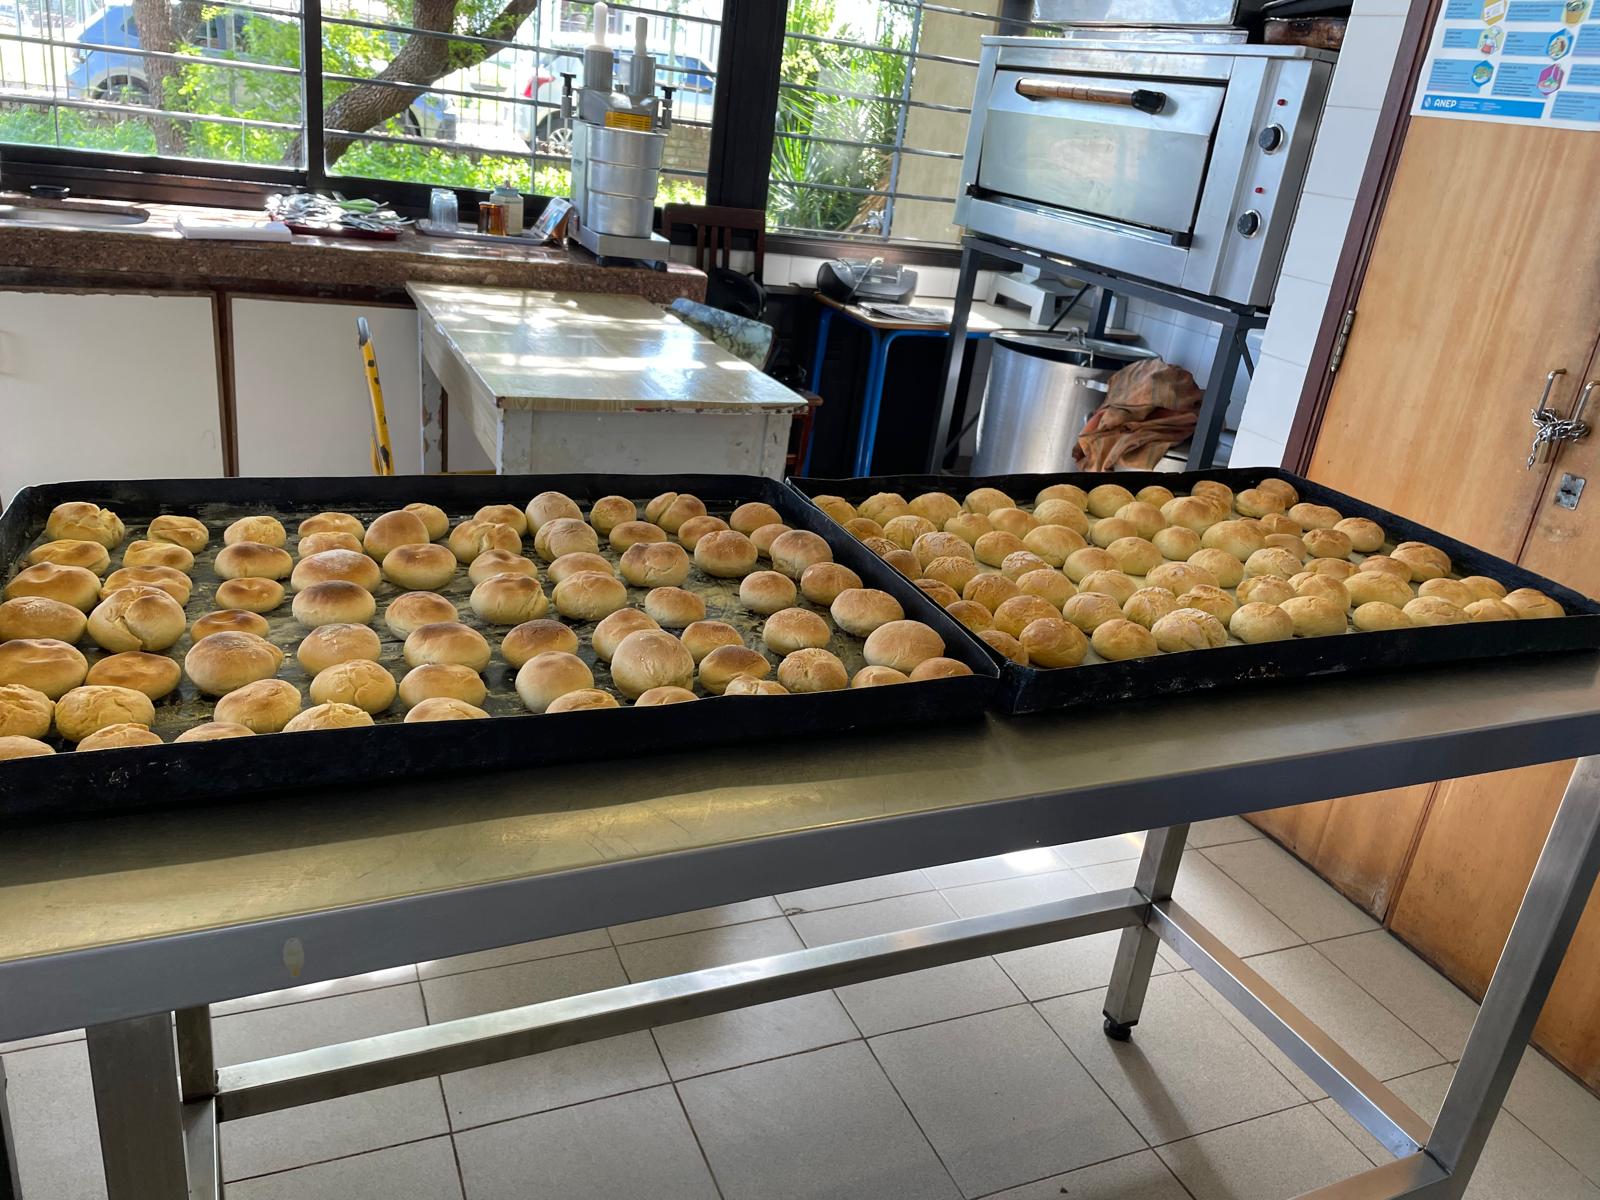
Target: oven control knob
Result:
[[1270, 138], [1249, 223]]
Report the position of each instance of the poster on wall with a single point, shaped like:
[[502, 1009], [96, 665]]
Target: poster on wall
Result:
[[1526, 62]]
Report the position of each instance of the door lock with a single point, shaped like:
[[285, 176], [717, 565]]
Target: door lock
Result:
[[1551, 429], [1569, 491]]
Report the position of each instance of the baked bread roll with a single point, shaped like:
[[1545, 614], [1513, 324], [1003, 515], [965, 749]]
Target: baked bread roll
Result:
[[1019, 562], [589, 596], [729, 555], [796, 550], [1012, 520], [938, 667], [1146, 519], [1089, 610], [413, 610], [1118, 640], [625, 534], [1134, 555], [971, 615], [1226, 569], [261, 529], [1376, 615], [446, 642], [1211, 600], [1327, 543], [144, 553], [1257, 622], [1452, 590], [1147, 606], [76, 586], [1154, 494], [215, 731], [444, 708], [1241, 539], [1293, 543], [91, 556], [763, 538], [333, 603], [1426, 562], [316, 543], [701, 638], [1015, 614], [1273, 561], [433, 518], [1109, 529], [547, 676], [745, 686], [1335, 568], [332, 715], [166, 579], [1053, 642], [651, 658], [655, 564], [1330, 589], [1085, 562], [1279, 523], [331, 522], [822, 582], [24, 711], [1490, 609], [137, 618], [120, 736], [583, 698], [1431, 610], [878, 677], [1005, 646], [1365, 536], [358, 569], [187, 532], [937, 507], [1281, 488], [535, 637], [1254, 502], [837, 507], [23, 747], [509, 599], [1484, 588], [903, 561], [564, 535], [567, 564], [1053, 543], [814, 670], [1315, 616], [222, 662], [860, 528], [1215, 491], [794, 629], [930, 546], [608, 634], [1188, 629], [993, 547], [1531, 603], [1111, 583], [1063, 513], [860, 611], [40, 617], [950, 570], [81, 521], [1314, 516], [470, 539], [85, 709], [422, 568], [1180, 577], [155, 675], [883, 507], [1192, 512], [767, 592], [445, 681], [1105, 499], [550, 506], [1389, 566], [695, 528], [248, 596], [329, 645], [969, 527], [359, 682], [1176, 542], [658, 696], [253, 560], [1071, 493], [671, 509], [727, 663], [606, 513], [904, 530], [1264, 589], [1045, 584], [502, 514], [675, 608]]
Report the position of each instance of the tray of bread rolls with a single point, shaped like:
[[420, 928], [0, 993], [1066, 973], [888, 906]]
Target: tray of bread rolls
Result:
[[1089, 588], [173, 641]]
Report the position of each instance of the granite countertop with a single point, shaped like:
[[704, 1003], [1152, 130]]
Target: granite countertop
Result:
[[154, 255]]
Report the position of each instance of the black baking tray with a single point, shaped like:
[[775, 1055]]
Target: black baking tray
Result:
[[1032, 689], [124, 780]]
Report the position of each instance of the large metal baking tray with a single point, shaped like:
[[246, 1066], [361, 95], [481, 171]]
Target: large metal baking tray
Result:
[[214, 772], [1032, 689]]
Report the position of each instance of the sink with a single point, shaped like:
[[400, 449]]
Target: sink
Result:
[[81, 218]]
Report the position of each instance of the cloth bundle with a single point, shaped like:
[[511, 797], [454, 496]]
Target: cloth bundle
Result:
[[1150, 407]]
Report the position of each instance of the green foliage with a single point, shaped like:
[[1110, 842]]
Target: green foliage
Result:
[[33, 126]]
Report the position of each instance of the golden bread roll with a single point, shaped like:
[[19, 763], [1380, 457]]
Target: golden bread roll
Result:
[[1134, 555], [655, 564], [837, 507], [1047, 585], [420, 568], [535, 637], [658, 696], [938, 667], [433, 518], [1005, 645], [1176, 542], [1378, 614], [822, 582], [413, 610], [261, 529], [1280, 523], [1365, 536], [1146, 519], [695, 528], [444, 708], [1110, 583], [1388, 566], [94, 706], [903, 561], [1053, 543], [796, 550], [1012, 520], [77, 586], [794, 629], [1315, 616], [883, 507], [1063, 513], [678, 508], [567, 564], [1334, 568], [606, 513], [1185, 629], [1192, 512], [91, 556], [1014, 615], [448, 681], [1259, 622], [745, 686], [814, 670], [1105, 499], [81, 521], [930, 546], [1148, 605], [650, 658], [358, 681], [1265, 589], [1327, 543], [1484, 588], [1053, 642], [1531, 603], [1254, 502], [1227, 569], [1215, 491], [155, 675], [1083, 563], [1239, 538], [582, 699], [565, 535], [1089, 610], [1314, 516], [1273, 560], [1211, 600], [1307, 584], [675, 608], [316, 543], [329, 645], [729, 555], [187, 532], [25, 711], [1490, 609], [329, 715], [971, 615], [861, 611], [1153, 494], [859, 527], [701, 638], [222, 662], [1071, 493], [767, 592], [144, 553], [1452, 590], [1432, 610], [608, 634], [502, 514], [167, 579], [1281, 488], [1109, 529], [625, 534], [589, 596], [549, 506], [1426, 562], [1118, 640], [331, 522], [215, 731], [40, 617], [23, 747], [137, 617], [727, 663], [1019, 562], [351, 567], [969, 527], [993, 547], [253, 560], [937, 507], [120, 736], [950, 570], [545, 677], [748, 518], [1293, 543], [509, 599], [468, 539], [1377, 587], [446, 642], [878, 677], [904, 530], [335, 602]]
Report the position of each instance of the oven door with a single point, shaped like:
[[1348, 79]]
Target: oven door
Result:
[[1129, 152]]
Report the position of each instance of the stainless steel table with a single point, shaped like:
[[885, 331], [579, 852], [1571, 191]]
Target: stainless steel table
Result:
[[120, 923]]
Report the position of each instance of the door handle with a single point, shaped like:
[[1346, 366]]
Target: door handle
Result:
[[1545, 422], [1143, 99]]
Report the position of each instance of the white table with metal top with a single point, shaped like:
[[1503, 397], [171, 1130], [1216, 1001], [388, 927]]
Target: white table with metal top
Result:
[[559, 382], [119, 923]]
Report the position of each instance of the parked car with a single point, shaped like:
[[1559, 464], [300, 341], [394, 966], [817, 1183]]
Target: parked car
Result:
[[542, 127]]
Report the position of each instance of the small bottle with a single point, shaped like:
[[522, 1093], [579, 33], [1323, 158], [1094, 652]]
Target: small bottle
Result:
[[508, 196]]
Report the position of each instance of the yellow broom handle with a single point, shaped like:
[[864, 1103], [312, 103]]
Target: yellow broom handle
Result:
[[382, 451]]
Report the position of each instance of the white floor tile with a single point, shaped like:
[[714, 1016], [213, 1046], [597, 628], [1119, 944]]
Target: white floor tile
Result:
[[1141, 1176], [415, 1171], [572, 943], [1256, 1038], [317, 991], [633, 1147], [52, 1118], [1001, 1099], [858, 891], [1119, 848], [44, 1039], [1269, 1158], [1408, 987], [1022, 891], [901, 1001], [823, 1124], [1220, 831], [759, 909], [1289, 891], [1559, 1109], [1185, 1071], [1217, 902], [1000, 866]]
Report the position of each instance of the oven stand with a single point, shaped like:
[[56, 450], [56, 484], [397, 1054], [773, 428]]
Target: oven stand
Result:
[[160, 1097], [1234, 325]]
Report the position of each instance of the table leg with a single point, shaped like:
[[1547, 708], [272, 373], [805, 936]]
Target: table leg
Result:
[[1136, 953], [10, 1180], [514, 454], [197, 1066], [133, 1069], [955, 352], [824, 323], [872, 399], [433, 417], [1214, 403]]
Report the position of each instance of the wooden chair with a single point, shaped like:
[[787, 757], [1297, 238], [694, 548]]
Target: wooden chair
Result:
[[714, 228]]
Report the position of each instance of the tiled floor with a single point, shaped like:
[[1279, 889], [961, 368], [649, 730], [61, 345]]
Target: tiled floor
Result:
[[982, 1079]]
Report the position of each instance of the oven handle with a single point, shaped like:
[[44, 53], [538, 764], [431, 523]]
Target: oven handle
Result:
[[1142, 99]]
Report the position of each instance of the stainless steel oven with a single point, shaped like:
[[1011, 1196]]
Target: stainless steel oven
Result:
[[1179, 163]]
